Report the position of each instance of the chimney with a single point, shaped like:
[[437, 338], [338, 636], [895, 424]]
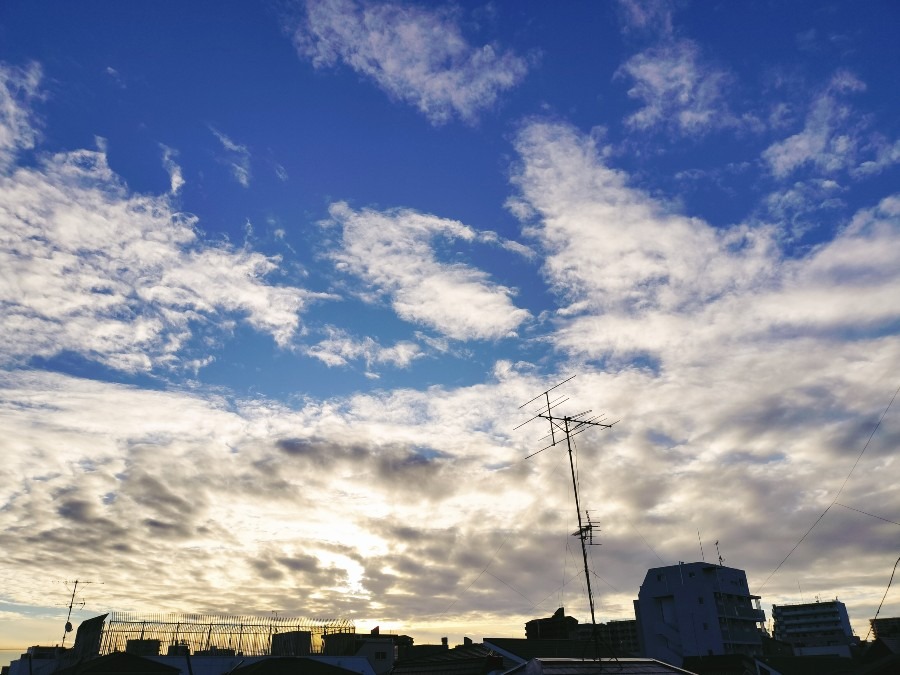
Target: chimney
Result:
[[445, 642]]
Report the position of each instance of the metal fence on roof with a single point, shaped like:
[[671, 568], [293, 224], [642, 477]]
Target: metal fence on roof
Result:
[[211, 634]]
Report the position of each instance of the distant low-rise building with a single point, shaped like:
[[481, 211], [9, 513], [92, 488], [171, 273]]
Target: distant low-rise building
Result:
[[815, 628], [556, 627], [888, 627], [622, 636]]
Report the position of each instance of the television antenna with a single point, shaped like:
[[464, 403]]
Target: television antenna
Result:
[[68, 628], [567, 426]]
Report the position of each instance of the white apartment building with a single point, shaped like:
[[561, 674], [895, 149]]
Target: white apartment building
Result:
[[697, 609]]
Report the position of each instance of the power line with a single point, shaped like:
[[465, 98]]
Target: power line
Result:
[[480, 574], [652, 550], [834, 501], [883, 597], [866, 513], [513, 589]]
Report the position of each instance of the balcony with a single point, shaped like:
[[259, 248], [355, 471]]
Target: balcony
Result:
[[747, 613]]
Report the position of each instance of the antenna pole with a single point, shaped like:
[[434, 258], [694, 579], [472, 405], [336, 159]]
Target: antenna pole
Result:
[[572, 425], [68, 627], [702, 557], [582, 531]]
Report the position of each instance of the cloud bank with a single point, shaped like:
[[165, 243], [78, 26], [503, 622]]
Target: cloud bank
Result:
[[123, 279]]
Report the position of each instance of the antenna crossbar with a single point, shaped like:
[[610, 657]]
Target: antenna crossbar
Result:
[[544, 393], [569, 426]]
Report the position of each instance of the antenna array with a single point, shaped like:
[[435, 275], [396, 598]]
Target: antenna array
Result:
[[567, 426]]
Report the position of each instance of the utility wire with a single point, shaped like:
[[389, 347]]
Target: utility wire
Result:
[[480, 574], [883, 597], [834, 501], [513, 589], [494, 557], [652, 550], [865, 513]]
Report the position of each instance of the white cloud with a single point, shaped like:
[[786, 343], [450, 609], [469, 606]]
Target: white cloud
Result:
[[886, 154], [215, 487], [415, 54], [647, 15], [636, 278], [745, 369], [829, 140], [761, 379], [339, 348], [90, 268], [18, 86], [238, 157], [609, 247], [678, 90], [176, 180], [798, 207], [394, 252]]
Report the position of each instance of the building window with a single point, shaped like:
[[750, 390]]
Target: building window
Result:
[[700, 600], [380, 656]]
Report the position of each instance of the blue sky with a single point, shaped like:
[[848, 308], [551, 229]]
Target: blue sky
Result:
[[275, 278]]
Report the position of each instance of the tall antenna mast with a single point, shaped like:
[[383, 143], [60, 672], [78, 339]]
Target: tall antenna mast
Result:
[[68, 628], [569, 426]]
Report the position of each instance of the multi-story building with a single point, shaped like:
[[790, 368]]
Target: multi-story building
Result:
[[886, 628], [814, 627], [697, 609], [622, 636], [556, 627]]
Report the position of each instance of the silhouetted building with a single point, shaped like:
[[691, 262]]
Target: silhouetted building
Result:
[[467, 659], [697, 609], [521, 651], [556, 627], [815, 628], [142, 647], [622, 636], [619, 666], [292, 643], [887, 627], [380, 650]]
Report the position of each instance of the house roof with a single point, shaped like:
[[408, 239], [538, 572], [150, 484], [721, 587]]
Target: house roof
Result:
[[721, 664], [523, 650], [290, 665], [623, 666], [810, 665], [119, 663], [475, 659]]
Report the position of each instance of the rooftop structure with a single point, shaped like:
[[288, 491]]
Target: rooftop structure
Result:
[[888, 627], [697, 609], [209, 634], [814, 628], [556, 627]]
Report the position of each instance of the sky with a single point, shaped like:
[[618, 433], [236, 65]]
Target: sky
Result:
[[276, 278]]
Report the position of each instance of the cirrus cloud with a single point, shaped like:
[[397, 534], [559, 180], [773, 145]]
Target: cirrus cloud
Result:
[[91, 268], [415, 54], [393, 252]]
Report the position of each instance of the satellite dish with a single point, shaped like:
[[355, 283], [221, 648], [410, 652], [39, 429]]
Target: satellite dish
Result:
[[68, 626]]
